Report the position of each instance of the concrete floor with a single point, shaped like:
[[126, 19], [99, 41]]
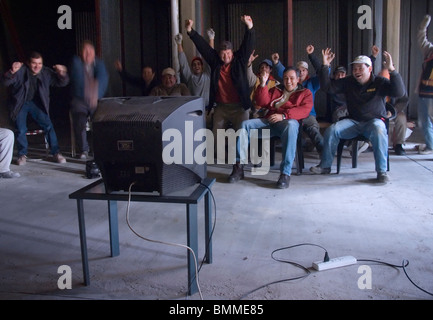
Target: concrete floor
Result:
[[347, 214]]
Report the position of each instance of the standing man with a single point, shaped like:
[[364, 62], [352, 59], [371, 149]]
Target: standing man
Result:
[[365, 97], [89, 82], [197, 76], [229, 91], [425, 89], [30, 95]]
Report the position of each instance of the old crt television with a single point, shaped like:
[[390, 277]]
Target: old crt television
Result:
[[128, 143]]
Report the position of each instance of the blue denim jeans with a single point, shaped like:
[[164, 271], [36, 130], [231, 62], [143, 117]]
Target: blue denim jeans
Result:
[[42, 119], [287, 130], [425, 115], [374, 130]]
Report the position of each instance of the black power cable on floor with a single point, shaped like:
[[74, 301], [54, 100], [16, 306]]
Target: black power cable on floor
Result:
[[307, 271], [403, 266]]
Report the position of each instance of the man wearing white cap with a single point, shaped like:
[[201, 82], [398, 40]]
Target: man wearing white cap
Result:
[[365, 96], [169, 85]]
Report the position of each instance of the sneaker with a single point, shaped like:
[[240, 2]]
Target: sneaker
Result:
[[425, 151], [237, 173], [382, 177], [9, 175], [283, 181], [320, 170], [84, 155], [22, 160], [59, 158], [398, 149]]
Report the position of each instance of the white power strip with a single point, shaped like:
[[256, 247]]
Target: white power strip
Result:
[[334, 263]]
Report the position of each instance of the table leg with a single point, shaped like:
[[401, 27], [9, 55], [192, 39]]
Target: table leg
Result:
[[83, 242], [208, 227], [192, 234], [114, 228]]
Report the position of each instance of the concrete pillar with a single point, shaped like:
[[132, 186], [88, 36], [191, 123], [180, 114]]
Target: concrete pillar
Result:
[[175, 31], [393, 31], [188, 10]]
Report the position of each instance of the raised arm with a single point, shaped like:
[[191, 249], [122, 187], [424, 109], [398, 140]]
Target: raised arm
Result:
[[425, 45], [209, 54], [317, 64]]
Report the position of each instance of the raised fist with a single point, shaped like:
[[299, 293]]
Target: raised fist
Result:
[[16, 66], [178, 38]]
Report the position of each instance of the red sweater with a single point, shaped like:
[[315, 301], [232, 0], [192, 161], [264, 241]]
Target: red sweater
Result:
[[298, 106]]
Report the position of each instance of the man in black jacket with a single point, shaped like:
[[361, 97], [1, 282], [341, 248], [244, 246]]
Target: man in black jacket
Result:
[[365, 95], [229, 91], [30, 94]]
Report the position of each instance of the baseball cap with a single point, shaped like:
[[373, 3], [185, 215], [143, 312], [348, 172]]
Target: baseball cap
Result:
[[197, 59], [267, 61], [169, 71], [340, 69], [363, 59], [302, 64]]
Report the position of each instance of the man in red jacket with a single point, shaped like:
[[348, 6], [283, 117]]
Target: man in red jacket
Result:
[[286, 106]]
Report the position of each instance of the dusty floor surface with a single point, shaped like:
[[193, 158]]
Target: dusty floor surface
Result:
[[347, 214]]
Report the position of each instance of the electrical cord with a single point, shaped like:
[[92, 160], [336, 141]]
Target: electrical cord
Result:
[[403, 266], [307, 271], [162, 242]]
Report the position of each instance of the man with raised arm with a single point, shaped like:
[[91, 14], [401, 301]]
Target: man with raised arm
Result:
[[365, 96]]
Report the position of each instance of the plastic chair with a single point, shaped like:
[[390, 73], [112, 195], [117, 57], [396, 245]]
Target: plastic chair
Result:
[[355, 142]]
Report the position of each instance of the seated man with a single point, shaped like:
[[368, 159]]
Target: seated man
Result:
[[169, 85], [146, 82], [254, 81], [365, 96], [6, 151], [310, 124], [286, 107]]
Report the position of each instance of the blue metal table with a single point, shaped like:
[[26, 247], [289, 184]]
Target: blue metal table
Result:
[[96, 191]]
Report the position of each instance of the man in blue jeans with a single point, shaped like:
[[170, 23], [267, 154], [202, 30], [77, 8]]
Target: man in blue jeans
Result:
[[425, 89], [285, 107], [365, 95], [30, 95]]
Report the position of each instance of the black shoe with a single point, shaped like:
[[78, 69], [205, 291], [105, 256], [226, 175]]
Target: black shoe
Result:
[[398, 149], [382, 177], [283, 181], [237, 173]]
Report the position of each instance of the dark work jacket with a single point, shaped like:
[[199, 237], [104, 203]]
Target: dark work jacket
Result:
[[238, 68], [19, 84], [139, 82], [364, 102], [77, 77]]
